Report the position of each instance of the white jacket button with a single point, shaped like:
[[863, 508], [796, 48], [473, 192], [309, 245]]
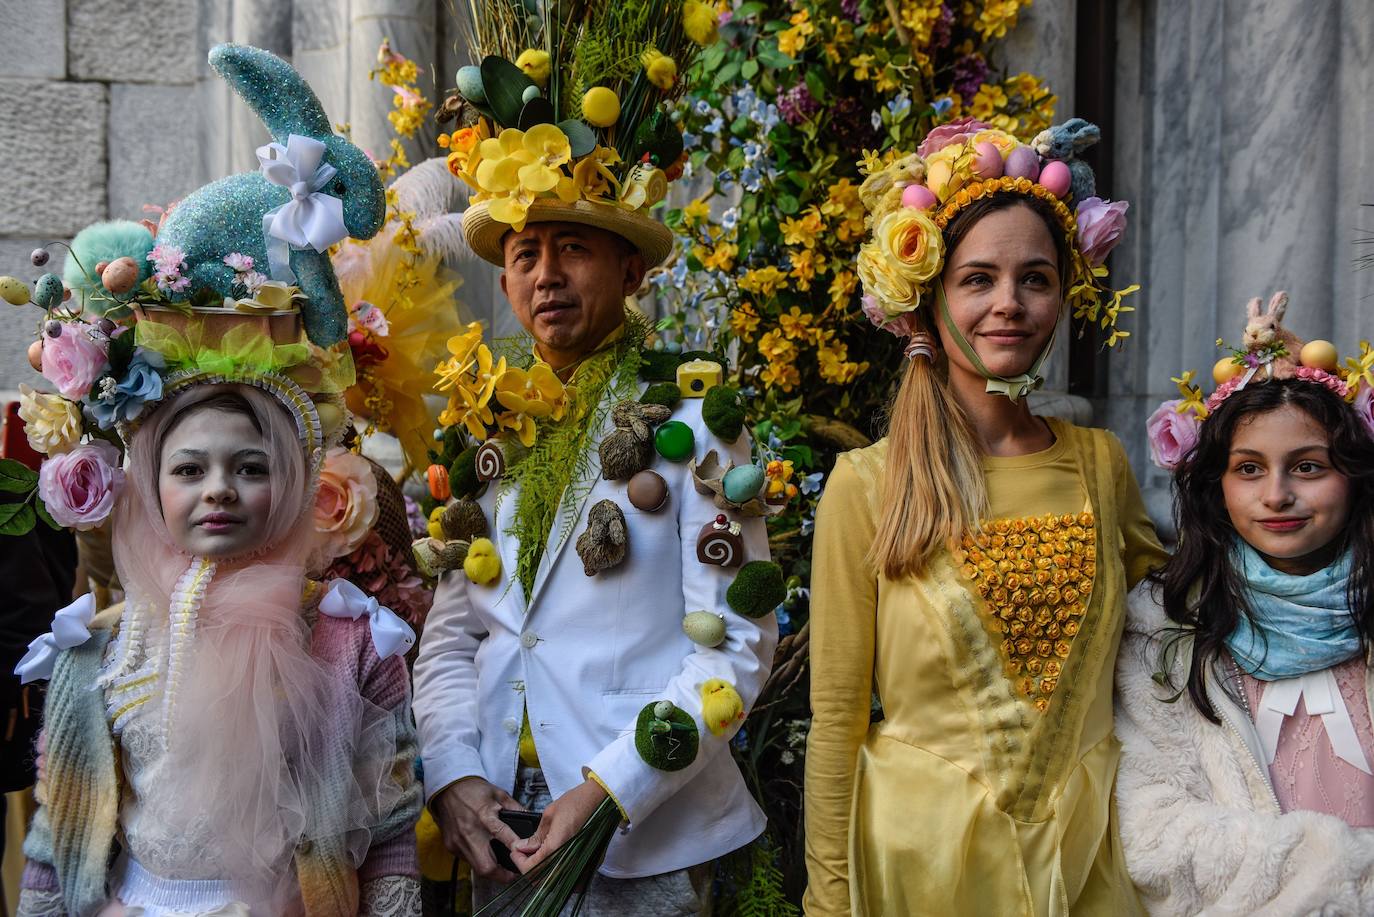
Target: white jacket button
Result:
[[510, 725], [529, 639]]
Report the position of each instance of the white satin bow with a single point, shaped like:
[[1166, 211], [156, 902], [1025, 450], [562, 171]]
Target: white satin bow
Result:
[[390, 635], [311, 218], [1321, 696], [70, 627]]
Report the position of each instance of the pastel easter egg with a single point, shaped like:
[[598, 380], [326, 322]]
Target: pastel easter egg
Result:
[[1225, 370], [938, 176], [1022, 163], [470, 84], [704, 628], [36, 355], [120, 275], [918, 197], [14, 291], [530, 94], [1318, 355], [987, 163], [1056, 178], [742, 484], [647, 491]]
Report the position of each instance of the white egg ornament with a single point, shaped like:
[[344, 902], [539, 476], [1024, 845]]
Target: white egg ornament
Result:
[[1056, 178], [1022, 163], [704, 628], [987, 161]]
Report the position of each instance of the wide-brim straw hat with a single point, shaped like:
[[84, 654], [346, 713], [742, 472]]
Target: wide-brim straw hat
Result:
[[653, 240]]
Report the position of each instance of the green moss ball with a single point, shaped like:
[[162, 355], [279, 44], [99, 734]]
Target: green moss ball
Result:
[[757, 590], [670, 751], [664, 393], [723, 413], [462, 474]]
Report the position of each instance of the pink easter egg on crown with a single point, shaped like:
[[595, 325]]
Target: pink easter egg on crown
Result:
[[918, 196], [1023, 163], [988, 161], [1056, 178]]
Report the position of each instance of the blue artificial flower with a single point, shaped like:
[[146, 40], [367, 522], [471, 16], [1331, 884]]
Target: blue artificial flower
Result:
[[877, 120], [730, 218], [660, 279], [741, 740], [689, 140], [716, 126], [784, 621], [811, 483], [725, 180], [752, 151], [808, 525], [899, 105], [679, 273], [702, 107], [750, 178], [124, 401], [943, 105]]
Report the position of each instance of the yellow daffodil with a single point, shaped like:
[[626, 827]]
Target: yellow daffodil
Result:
[[659, 68], [535, 63]]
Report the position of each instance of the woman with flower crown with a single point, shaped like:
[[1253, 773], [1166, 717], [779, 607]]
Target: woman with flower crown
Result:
[[234, 737], [972, 566], [1244, 679]]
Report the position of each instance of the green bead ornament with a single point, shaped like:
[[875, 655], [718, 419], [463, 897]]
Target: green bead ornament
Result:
[[675, 441], [666, 737], [757, 589]]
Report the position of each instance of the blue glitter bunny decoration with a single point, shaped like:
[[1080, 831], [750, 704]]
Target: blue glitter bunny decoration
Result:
[[228, 215]]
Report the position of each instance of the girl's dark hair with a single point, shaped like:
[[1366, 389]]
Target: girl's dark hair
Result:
[[1201, 589], [967, 218]]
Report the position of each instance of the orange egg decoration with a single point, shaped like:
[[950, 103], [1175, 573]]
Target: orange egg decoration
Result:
[[437, 476]]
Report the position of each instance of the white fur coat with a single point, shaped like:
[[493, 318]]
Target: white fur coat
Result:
[[1201, 828]]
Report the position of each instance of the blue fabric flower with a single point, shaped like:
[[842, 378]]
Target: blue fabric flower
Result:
[[142, 384]]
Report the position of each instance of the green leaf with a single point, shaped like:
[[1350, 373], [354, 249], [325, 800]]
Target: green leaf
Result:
[[788, 204], [770, 56], [581, 137], [43, 514], [727, 73], [16, 518], [750, 69], [749, 9], [538, 110], [16, 477], [799, 455], [505, 85], [816, 83]]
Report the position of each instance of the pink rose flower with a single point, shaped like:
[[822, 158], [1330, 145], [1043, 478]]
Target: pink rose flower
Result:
[[946, 134], [346, 503], [1364, 408], [903, 325], [1172, 435], [80, 487], [75, 359], [1100, 226]]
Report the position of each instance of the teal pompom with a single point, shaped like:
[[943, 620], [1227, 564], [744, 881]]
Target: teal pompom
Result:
[[104, 242], [722, 412], [757, 590], [666, 394]]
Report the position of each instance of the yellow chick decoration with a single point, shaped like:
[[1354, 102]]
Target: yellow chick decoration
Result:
[[483, 564], [721, 705], [535, 63], [435, 529], [659, 68], [699, 22]]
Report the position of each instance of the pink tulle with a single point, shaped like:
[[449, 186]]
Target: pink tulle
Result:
[[270, 745]]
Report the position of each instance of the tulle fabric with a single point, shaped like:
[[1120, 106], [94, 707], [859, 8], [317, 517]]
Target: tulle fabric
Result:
[[268, 744]]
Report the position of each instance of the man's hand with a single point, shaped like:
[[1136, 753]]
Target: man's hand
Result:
[[564, 817], [466, 813]]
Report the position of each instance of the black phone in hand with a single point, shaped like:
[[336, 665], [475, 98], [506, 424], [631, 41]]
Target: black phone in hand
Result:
[[524, 824]]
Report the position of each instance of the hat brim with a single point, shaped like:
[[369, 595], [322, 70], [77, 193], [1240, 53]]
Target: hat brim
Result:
[[653, 240]]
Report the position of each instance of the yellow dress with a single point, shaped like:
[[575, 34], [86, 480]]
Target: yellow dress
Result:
[[987, 786]]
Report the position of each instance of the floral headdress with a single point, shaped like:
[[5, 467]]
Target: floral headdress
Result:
[[912, 198], [568, 115], [1267, 351]]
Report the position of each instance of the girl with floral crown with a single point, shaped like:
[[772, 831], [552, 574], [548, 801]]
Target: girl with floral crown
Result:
[[972, 566], [1243, 701], [234, 737]]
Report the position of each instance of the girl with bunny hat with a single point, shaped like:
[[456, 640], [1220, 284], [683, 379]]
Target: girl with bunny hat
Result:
[[1243, 683], [235, 737]]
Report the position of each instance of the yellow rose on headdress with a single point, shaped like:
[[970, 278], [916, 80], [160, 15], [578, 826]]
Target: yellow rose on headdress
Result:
[[535, 63], [912, 241], [52, 423], [1004, 142], [885, 282], [659, 68]]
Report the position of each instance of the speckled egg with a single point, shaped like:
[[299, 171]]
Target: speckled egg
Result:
[[1022, 163], [47, 292], [120, 275], [1319, 354], [647, 491], [742, 484], [14, 291], [469, 81], [704, 628]]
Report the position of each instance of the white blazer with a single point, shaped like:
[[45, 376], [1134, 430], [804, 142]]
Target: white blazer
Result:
[[585, 654]]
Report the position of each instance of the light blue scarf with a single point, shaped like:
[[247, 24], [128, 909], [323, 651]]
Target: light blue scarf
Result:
[[1300, 624]]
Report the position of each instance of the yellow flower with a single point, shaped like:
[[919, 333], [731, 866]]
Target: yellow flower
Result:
[[895, 293], [659, 68], [912, 240], [805, 265], [1361, 370], [722, 258], [791, 42], [695, 212], [591, 177], [744, 321], [763, 281], [842, 288], [528, 396], [699, 22], [549, 149], [51, 422], [862, 65], [502, 157], [988, 100], [535, 63], [794, 324]]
